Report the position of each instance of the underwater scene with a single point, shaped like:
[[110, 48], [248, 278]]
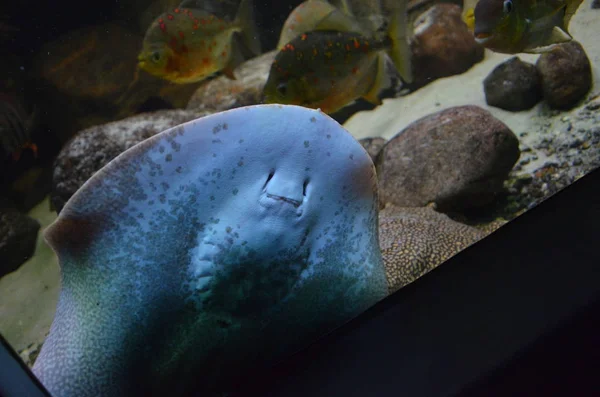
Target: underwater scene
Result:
[[191, 189]]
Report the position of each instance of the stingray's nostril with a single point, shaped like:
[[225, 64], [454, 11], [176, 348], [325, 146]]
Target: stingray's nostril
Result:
[[304, 187], [271, 173]]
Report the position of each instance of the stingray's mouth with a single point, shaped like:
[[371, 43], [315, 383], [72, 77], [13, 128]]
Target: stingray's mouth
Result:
[[277, 194], [291, 201]]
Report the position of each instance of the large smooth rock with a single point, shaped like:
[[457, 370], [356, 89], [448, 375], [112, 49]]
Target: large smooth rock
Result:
[[566, 75], [457, 158], [18, 235], [93, 148], [442, 45], [414, 241], [513, 85]]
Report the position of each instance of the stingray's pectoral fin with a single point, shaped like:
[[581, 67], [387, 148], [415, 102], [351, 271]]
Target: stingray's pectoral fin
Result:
[[71, 235]]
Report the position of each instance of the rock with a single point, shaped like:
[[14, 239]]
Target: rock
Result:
[[513, 85], [372, 146], [414, 241], [18, 236], [442, 45], [89, 77], [93, 148], [596, 4], [223, 93], [30, 353], [457, 158], [566, 75]]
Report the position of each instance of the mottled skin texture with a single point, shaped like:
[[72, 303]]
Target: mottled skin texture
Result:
[[416, 240], [215, 246]]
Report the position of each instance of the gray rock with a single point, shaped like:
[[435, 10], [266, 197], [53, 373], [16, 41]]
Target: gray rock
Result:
[[566, 75], [442, 45], [93, 148], [457, 158], [414, 241], [513, 85], [18, 236], [372, 146], [223, 93]]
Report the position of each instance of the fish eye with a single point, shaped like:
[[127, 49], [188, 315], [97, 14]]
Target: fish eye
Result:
[[282, 89], [155, 57], [507, 7]]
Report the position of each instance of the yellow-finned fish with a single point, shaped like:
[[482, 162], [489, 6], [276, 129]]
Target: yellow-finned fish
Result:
[[188, 45], [468, 14], [331, 69], [315, 15], [513, 26]]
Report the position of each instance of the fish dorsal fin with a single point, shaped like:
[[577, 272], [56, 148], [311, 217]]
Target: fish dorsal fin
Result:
[[338, 21]]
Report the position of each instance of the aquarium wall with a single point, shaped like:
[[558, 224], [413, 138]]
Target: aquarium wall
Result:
[[213, 176]]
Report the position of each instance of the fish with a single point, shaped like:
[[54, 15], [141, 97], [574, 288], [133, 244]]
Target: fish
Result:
[[215, 247], [316, 15], [331, 69], [530, 26], [189, 45]]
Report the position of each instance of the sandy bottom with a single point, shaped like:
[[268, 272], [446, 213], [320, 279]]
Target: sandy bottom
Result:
[[29, 295], [467, 89]]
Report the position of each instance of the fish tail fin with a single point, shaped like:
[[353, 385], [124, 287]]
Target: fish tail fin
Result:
[[398, 33], [571, 8], [379, 82], [249, 32]]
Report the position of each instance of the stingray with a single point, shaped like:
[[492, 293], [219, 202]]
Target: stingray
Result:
[[220, 245]]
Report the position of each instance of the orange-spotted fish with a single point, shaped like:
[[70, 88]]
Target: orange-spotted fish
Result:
[[533, 26], [316, 15], [331, 69], [188, 45]]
